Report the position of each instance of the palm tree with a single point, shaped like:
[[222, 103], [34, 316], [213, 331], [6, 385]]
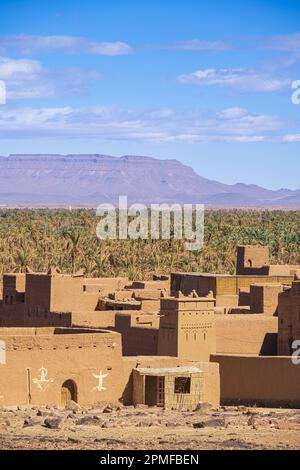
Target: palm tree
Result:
[[73, 236]]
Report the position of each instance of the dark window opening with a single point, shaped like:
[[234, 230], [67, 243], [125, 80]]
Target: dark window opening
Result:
[[182, 385]]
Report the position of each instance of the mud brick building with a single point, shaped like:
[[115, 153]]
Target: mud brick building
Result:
[[175, 341]]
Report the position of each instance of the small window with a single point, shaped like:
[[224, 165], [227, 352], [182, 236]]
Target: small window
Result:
[[182, 385]]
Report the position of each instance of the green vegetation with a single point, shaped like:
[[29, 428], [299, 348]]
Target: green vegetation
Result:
[[67, 239]]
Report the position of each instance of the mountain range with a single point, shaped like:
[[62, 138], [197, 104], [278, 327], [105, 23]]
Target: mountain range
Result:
[[89, 180]]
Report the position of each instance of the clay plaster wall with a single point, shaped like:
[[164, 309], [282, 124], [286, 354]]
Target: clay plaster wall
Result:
[[269, 381], [246, 334]]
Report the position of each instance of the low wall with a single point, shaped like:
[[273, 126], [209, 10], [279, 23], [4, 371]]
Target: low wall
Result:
[[266, 381]]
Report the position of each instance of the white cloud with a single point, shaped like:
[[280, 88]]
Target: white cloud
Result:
[[28, 44], [155, 126], [12, 69], [240, 79], [291, 138], [199, 45], [287, 43], [28, 79]]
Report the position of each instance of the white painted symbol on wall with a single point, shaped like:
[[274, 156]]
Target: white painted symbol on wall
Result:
[[42, 382], [100, 378], [2, 352]]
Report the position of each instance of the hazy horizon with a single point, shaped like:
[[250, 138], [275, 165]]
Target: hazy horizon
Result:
[[236, 171]]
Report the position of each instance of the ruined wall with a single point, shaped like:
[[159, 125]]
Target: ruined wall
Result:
[[267, 381], [246, 334]]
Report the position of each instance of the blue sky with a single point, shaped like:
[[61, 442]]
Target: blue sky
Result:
[[206, 82]]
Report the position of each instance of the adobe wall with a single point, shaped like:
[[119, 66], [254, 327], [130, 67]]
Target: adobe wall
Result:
[[38, 293], [139, 333], [264, 298], [13, 288], [289, 318], [253, 259], [37, 366], [151, 285], [283, 270], [104, 285], [96, 319], [246, 334], [197, 335], [187, 328], [57, 293], [267, 381], [17, 316], [221, 286], [39, 360], [67, 295]]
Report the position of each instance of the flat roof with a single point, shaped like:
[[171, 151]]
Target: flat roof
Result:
[[275, 276], [168, 370]]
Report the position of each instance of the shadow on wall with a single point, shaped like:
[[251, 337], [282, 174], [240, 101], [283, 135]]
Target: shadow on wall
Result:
[[126, 398], [269, 346]]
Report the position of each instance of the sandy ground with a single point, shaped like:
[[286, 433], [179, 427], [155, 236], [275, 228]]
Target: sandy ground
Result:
[[144, 428]]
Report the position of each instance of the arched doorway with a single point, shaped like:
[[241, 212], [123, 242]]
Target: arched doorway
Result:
[[68, 392]]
